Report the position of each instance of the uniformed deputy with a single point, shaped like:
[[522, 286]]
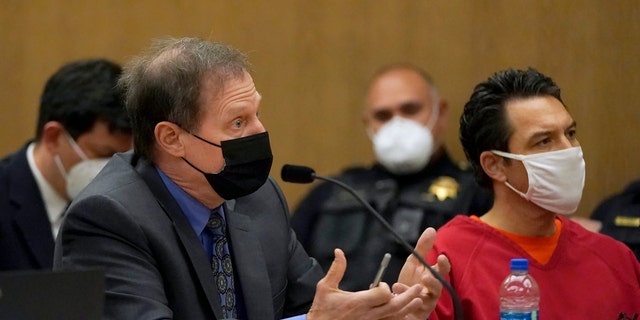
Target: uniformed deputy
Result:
[[620, 216], [414, 184]]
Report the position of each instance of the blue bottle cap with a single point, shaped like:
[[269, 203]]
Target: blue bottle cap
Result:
[[519, 264]]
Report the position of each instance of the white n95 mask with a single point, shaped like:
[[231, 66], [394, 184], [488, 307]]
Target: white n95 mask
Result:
[[556, 178], [76, 148], [82, 173], [403, 146]]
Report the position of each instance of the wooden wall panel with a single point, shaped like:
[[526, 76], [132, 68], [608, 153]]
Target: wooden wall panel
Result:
[[312, 60]]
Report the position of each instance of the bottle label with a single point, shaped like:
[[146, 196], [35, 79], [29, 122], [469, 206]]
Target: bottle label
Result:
[[511, 315]]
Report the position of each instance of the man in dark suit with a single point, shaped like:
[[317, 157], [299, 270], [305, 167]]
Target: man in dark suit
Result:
[[190, 226], [81, 120]]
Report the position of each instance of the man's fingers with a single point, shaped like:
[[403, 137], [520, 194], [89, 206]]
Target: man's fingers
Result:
[[379, 295], [405, 302], [336, 271], [442, 265], [425, 242], [400, 288]]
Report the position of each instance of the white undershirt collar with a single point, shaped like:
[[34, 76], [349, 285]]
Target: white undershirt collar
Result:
[[53, 202]]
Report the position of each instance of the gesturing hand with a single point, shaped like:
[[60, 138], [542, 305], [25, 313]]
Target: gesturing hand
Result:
[[331, 303], [414, 272]]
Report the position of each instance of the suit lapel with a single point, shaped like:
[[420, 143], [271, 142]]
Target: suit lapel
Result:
[[250, 264], [190, 242], [31, 215]]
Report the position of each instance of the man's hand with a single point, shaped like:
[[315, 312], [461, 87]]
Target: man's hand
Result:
[[414, 272], [332, 303]]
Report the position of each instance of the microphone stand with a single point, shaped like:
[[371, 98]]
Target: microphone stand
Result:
[[457, 306]]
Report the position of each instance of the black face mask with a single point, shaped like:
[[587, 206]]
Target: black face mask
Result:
[[247, 165]]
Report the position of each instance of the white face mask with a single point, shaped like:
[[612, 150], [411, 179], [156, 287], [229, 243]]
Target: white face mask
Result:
[[556, 178], [403, 146], [81, 173], [75, 148]]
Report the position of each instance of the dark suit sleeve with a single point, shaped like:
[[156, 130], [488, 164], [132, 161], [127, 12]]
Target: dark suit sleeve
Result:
[[97, 233], [303, 272], [306, 214], [26, 241]]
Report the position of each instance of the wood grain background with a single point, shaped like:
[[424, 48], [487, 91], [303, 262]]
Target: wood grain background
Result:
[[312, 59]]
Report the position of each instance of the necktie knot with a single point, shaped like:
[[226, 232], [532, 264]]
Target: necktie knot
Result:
[[216, 223]]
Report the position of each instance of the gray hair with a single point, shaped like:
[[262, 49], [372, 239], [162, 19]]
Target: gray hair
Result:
[[164, 84]]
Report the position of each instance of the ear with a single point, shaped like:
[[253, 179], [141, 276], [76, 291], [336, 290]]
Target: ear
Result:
[[168, 137], [493, 166], [443, 115], [366, 124], [365, 117], [51, 134], [444, 109], [442, 123]]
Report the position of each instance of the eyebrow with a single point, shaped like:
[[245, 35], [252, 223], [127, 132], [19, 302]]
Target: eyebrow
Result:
[[573, 124], [542, 134]]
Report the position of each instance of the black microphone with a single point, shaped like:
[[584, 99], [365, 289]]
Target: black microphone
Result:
[[297, 174], [302, 174]]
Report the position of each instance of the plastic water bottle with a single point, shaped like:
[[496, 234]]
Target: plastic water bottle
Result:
[[519, 293]]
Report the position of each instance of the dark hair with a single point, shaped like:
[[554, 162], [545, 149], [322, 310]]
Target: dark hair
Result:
[[484, 125], [81, 93], [165, 83]]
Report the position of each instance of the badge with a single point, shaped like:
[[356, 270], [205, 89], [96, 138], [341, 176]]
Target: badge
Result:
[[442, 188]]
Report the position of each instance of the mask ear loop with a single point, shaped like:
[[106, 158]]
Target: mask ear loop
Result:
[[519, 158], [61, 168], [208, 142], [76, 147]]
